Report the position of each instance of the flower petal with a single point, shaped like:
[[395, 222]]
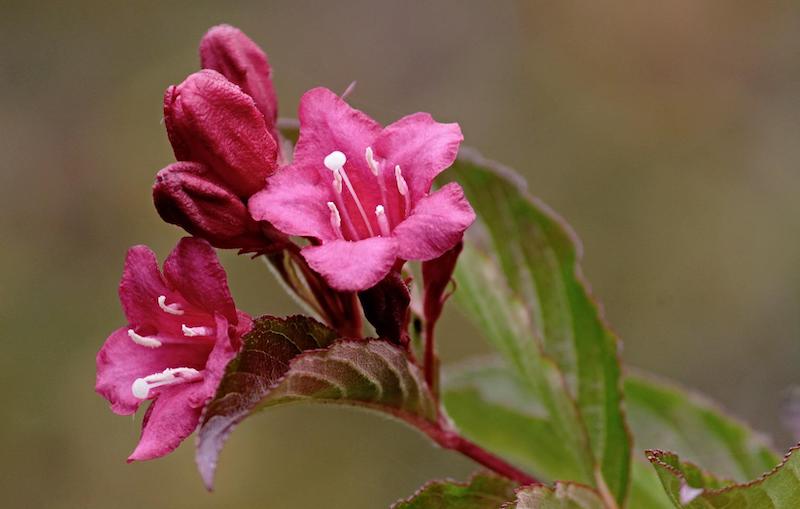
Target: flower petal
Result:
[[140, 287], [229, 51], [210, 120], [193, 269], [352, 266], [169, 420], [436, 224], [422, 147], [121, 361], [294, 201]]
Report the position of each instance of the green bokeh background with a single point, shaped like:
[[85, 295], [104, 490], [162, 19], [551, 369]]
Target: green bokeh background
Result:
[[665, 132]]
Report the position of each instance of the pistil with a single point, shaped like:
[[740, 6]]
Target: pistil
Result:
[[141, 387]]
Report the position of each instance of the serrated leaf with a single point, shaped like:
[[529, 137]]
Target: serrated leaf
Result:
[[520, 280], [495, 408], [482, 491], [665, 416], [690, 487], [561, 496], [298, 358]]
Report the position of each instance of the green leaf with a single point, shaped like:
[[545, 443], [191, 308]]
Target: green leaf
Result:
[[495, 408], [297, 358], [561, 496], [520, 281], [482, 491], [664, 416], [691, 488]]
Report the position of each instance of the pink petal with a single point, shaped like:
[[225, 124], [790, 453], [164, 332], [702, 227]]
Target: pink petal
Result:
[[436, 224], [193, 269], [171, 418], [121, 361], [140, 287], [352, 266], [422, 147], [229, 51], [211, 121], [294, 201]]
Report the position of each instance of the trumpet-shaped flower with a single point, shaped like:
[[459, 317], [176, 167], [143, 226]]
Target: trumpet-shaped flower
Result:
[[362, 192], [182, 330]]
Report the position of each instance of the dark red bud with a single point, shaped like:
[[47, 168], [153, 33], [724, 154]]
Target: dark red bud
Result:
[[211, 121], [230, 52], [189, 195]]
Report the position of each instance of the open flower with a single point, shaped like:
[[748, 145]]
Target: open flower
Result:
[[361, 192], [182, 330]]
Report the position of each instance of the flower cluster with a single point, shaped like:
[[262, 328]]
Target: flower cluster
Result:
[[343, 213]]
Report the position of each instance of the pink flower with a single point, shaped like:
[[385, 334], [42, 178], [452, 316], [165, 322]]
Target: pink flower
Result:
[[361, 192], [183, 328]]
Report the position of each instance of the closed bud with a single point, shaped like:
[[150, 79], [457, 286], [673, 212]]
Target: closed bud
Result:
[[189, 195], [211, 121], [230, 52]]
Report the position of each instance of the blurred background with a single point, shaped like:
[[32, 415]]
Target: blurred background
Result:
[[665, 132]]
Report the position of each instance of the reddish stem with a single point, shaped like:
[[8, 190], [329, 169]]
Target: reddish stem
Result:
[[430, 362], [448, 438]]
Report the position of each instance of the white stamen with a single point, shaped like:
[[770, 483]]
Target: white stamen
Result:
[[173, 309], [336, 219], [337, 181], [196, 331], [335, 162], [382, 221], [148, 341], [371, 162], [402, 188], [141, 386]]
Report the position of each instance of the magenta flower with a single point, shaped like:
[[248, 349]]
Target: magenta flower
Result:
[[361, 192], [183, 328]]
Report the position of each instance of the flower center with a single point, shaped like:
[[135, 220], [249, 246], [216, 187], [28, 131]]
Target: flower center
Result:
[[141, 387], [153, 341], [340, 214]]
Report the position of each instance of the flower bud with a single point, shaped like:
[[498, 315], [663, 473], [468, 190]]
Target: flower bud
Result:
[[230, 52], [189, 195], [211, 121]]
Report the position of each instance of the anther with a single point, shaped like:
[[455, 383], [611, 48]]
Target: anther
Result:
[[373, 166], [336, 219], [141, 387], [148, 341], [196, 331], [380, 213], [371, 162], [402, 188], [173, 309]]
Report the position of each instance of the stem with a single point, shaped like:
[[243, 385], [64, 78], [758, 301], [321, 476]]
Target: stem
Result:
[[431, 362], [449, 438]]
